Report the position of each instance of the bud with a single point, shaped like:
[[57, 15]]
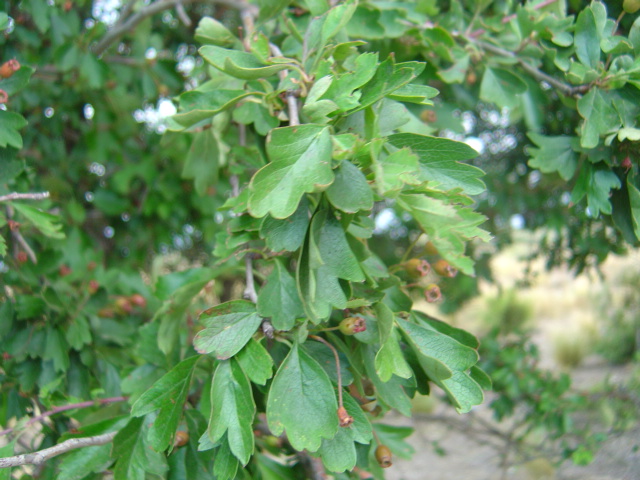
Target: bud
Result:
[[417, 267], [432, 293], [344, 418], [383, 456], [443, 269], [8, 68], [352, 325]]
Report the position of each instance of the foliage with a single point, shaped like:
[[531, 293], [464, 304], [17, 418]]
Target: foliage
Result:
[[619, 340], [548, 417], [290, 137]]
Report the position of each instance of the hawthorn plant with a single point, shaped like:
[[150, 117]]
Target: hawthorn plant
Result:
[[301, 122]]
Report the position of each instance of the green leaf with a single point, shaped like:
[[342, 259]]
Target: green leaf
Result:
[[134, 456], [278, 299], [3, 246], [392, 391], [586, 39], [302, 402], [339, 453], [225, 464], [43, 221], [448, 224], [390, 360], [388, 78], [350, 191], [600, 117], [228, 328], [300, 163], [232, 410], [554, 154], [271, 8], [243, 65], [256, 362], [201, 163], [596, 182], [634, 200], [211, 31], [446, 362], [440, 161], [394, 171], [411, 93], [501, 87], [287, 234], [79, 463], [56, 349], [197, 105], [168, 395], [17, 81], [335, 253], [10, 123]]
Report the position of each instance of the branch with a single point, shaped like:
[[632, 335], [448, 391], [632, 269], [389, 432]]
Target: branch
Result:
[[250, 289], [566, 89], [24, 196], [41, 456], [125, 25], [64, 408]]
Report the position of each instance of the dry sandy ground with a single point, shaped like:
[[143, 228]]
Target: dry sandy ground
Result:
[[565, 309]]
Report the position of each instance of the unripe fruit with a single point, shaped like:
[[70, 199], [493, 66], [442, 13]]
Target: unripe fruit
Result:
[[138, 300], [8, 68], [443, 269], [631, 6], [181, 439], [428, 116], [417, 267], [432, 293], [352, 325], [93, 286], [430, 249], [383, 456], [626, 164], [64, 270], [4, 98], [22, 257], [344, 418], [123, 305]]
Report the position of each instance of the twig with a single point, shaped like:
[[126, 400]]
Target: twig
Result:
[[250, 289], [539, 75], [64, 408], [292, 101], [337, 358], [19, 239], [39, 457], [24, 196], [182, 14], [127, 23]]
